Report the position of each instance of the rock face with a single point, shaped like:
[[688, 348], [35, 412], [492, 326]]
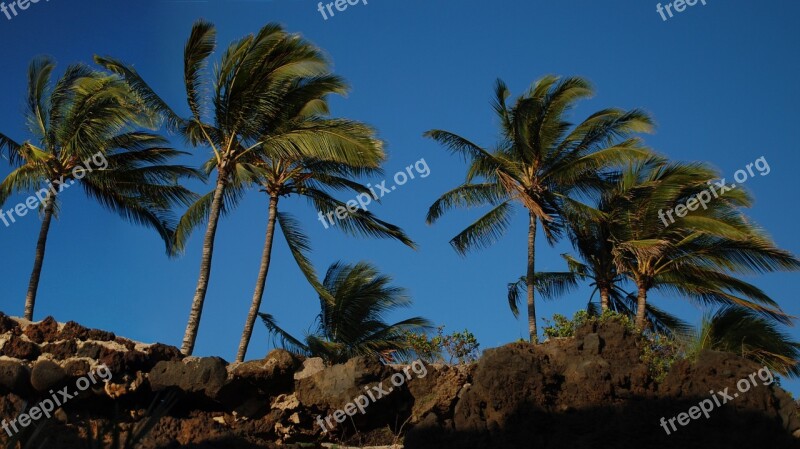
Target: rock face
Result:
[[587, 391], [593, 391]]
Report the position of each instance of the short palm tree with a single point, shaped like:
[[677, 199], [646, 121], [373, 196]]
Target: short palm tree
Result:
[[542, 161], [87, 129], [351, 322], [742, 331], [247, 93], [700, 255]]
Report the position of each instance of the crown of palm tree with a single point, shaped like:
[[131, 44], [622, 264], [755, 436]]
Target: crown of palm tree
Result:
[[700, 255], [351, 321], [742, 331], [84, 117]]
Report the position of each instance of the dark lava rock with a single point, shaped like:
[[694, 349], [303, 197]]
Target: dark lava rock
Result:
[[77, 368], [129, 344], [90, 350], [275, 373], [121, 362], [336, 386], [14, 377], [45, 331], [18, 348], [74, 331], [257, 381], [163, 353], [46, 375], [7, 324], [593, 391], [61, 350], [205, 375]]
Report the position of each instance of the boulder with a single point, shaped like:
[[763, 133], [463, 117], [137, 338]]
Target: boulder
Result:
[[46, 375], [251, 384], [311, 366], [204, 376], [437, 392], [14, 377]]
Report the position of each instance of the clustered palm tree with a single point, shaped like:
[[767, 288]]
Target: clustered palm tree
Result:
[[263, 116], [549, 166], [541, 162]]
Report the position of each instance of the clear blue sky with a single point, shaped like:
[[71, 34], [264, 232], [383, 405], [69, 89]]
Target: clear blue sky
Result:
[[720, 80]]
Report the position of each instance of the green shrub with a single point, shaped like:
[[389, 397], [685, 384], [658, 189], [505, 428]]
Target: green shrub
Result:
[[460, 347], [562, 326], [659, 353]]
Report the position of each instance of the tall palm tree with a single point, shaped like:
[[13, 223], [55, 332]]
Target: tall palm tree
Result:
[[742, 331], [312, 177], [542, 161], [700, 255], [351, 322], [86, 129], [247, 91]]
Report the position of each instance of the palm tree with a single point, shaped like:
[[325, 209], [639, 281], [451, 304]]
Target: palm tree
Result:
[[283, 176], [700, 255], [542, 161], [351, 322], [87, 128], [248, 88], [591, 238], [742, 331]]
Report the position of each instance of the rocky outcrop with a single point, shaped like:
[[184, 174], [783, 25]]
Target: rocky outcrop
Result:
[[594, 391], [589, 391]]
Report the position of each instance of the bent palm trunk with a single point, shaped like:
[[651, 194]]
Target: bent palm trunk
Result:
[[641, 307], [530, 280], [266, 256], [41, 244], [192, 327]]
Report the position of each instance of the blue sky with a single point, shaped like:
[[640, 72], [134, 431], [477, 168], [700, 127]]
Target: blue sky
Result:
[[719, 80]]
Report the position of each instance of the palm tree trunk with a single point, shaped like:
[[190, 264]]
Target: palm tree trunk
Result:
[[604, 298], [530, 279], [641, 307], [33, 285], [261, 282], [192, 327]]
